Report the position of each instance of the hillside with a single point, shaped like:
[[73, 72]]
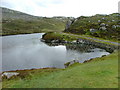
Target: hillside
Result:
[[100, 25], [12, 14], [15, 22]]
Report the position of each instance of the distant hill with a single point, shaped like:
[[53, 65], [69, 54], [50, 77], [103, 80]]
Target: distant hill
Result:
[[15, 22], [99, 25], [12, 14]]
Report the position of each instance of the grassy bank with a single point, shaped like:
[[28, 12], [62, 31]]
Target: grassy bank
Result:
[[71, 37], [99, 73]]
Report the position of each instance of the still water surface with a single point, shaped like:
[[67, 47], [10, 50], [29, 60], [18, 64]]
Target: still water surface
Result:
[[27, 52]]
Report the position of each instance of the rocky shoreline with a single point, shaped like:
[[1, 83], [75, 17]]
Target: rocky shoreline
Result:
[[21, 73], [107, 47], [53, 41]]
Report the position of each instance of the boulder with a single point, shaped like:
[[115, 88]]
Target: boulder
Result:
[[9, 74]]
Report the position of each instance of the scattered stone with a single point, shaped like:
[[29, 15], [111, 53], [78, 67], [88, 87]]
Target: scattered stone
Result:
[[93, 30], [113, 20], [55, 41], [80, 41], [102, 28], [74, 41], [102, 24], [88, 60], [99, 20], [117, 25], [103, 18], [107, 25], [114, 26]]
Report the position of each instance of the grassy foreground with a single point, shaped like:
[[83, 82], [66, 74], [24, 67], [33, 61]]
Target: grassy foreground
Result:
[[99, 73]]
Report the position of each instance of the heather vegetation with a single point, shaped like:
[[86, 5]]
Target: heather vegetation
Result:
[[102, 26]]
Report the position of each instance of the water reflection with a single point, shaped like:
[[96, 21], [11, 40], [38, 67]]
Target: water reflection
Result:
[[81, 52]]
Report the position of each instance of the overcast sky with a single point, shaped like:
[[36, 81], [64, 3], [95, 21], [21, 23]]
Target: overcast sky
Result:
[[74, 8]]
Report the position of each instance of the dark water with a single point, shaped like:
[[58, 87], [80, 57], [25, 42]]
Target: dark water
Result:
[[27, 52]]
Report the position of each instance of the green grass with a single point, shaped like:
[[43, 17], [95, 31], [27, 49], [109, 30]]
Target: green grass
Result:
[[99, 73], [20, 26], [59, 36]]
